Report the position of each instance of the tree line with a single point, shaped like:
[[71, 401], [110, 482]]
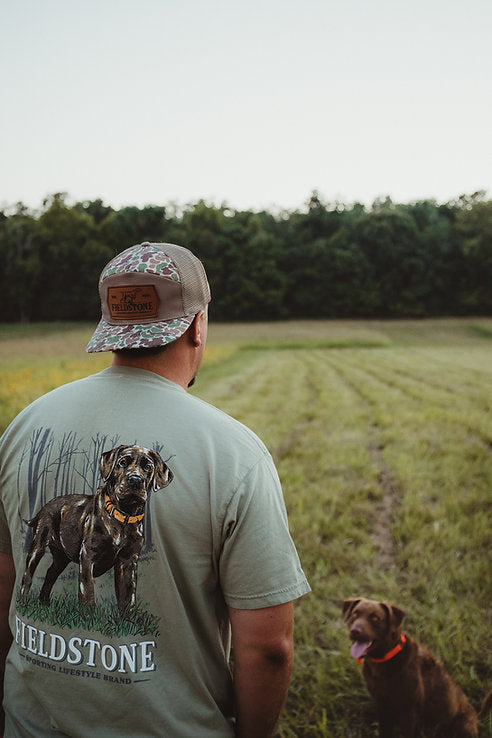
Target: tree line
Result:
[[328, 260]]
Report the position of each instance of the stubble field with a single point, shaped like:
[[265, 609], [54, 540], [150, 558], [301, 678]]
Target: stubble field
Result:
[[382, 434]]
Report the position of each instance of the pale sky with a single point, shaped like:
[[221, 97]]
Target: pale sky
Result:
[[253, 104]]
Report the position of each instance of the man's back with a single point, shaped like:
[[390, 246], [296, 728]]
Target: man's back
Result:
[[159, 512]]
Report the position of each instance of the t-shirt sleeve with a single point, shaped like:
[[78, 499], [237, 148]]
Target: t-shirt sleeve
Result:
[[259, 565]]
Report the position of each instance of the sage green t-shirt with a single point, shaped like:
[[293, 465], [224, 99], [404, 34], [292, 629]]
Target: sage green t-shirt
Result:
[[215, 535]]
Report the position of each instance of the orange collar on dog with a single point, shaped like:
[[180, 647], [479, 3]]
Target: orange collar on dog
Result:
[[390, 654], [121, 517]]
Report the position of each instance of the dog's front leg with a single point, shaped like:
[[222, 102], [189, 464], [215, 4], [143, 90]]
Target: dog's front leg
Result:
[[125, 581], [391, 726], [86, 579], [386, 724], [34, 557]]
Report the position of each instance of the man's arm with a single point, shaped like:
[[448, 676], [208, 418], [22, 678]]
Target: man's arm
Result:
[[263, 647], [7, 578]]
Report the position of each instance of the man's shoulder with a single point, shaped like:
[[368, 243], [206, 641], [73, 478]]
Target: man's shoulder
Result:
[[215, 418]]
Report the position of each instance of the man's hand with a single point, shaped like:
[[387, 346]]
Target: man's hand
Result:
[[263, 656]]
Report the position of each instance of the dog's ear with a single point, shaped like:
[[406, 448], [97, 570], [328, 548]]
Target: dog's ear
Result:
[[107, 462], [395, 614], [348, 606], [162, 473]]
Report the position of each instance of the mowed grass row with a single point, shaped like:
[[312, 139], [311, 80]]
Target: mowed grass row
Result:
[[382, 434]]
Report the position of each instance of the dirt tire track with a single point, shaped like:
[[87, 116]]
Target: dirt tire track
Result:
[[385, 513], [386, 510]]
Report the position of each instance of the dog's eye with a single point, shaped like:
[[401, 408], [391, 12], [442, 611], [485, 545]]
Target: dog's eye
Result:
[[123, 462], [147, 466], [375, 618]]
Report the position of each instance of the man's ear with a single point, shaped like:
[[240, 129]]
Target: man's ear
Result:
[[197, 328]]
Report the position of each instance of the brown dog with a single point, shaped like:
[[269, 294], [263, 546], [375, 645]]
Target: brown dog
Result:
[[410, 688], [99, 531]]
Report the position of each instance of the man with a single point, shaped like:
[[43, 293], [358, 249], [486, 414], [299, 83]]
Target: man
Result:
[[140, 528]]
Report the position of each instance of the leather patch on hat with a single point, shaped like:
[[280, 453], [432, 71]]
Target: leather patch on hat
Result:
[[130, 303]]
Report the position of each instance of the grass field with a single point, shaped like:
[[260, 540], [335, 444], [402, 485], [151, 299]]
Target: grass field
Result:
[[382, 433]]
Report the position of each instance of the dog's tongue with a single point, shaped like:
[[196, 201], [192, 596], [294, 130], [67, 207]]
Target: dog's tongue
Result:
[[359, 649]]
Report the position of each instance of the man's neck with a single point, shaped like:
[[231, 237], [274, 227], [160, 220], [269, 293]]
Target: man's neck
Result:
[[172, 370]]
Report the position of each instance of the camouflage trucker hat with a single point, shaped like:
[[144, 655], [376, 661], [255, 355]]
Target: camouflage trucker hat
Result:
[[150, 294]]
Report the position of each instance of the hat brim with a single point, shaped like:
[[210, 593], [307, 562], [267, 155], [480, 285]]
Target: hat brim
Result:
[[109, 337]]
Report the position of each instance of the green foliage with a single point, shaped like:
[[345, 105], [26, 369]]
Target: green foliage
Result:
[[20, 264], [328, 261], [131, 225], [475, 225]]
